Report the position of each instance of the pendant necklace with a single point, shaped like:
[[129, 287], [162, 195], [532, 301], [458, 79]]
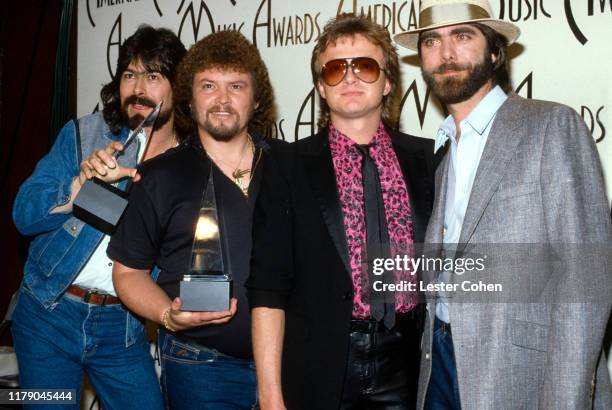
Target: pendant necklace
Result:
[[237, 173]]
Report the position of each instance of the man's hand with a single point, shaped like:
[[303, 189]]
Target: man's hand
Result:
[[102, 164], [179, 320]]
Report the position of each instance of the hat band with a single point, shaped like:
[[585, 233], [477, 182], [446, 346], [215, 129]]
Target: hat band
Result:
[[451, 12]]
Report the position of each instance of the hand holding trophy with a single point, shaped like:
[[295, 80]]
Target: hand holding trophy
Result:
[[103, 165], [176, 319], [99, 203]]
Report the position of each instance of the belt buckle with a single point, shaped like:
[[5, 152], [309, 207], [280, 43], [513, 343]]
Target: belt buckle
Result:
[[87, 295], [365, 326], [91, 292]]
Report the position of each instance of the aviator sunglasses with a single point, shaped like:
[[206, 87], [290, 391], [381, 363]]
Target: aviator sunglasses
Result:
[[364, 68]]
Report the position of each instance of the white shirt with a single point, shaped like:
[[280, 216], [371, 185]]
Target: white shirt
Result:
[[464, 157], [98, 271]]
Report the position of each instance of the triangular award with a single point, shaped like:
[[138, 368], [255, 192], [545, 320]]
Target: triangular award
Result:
[[207, 287], [101, 204]]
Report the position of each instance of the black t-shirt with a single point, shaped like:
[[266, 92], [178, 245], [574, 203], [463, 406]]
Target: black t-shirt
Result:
[[159, 226]]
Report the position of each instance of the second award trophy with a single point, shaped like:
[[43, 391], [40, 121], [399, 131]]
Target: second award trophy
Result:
[[101, 204], [207, 287]]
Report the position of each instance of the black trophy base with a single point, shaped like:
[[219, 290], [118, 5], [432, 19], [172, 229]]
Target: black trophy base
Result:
[[100, 204], [205, 295]]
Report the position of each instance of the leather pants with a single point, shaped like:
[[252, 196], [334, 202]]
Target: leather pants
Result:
[[383, 365]]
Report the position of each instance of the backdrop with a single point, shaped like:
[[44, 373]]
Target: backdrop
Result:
[[563, 54]]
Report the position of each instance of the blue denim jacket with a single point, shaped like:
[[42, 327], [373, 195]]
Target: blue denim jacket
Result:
[[63, 244]]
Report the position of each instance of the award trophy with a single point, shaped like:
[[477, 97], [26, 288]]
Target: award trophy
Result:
[[207, 287], [101, 204]]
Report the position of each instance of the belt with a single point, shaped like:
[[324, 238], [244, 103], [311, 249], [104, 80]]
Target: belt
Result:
[[92, 296], [366, 325]]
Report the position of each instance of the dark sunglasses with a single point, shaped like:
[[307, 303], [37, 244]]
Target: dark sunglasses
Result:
[[364, 68]]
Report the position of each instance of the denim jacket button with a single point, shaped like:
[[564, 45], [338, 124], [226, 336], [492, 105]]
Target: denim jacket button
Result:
[[73, 228]]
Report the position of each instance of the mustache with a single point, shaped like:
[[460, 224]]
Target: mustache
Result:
[[220, 108], [451, 67], [139, 100]]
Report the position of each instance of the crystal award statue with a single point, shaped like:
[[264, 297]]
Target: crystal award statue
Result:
[[207, 287], [101, 204]]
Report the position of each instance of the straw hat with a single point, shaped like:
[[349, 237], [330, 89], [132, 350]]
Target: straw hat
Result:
[[442, 13]]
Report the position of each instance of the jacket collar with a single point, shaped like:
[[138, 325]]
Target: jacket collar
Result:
[[320, 170]]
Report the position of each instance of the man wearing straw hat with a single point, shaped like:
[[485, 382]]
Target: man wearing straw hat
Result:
[[516, 171]]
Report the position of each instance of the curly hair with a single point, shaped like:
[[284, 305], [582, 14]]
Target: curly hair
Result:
[[225, 50], [350, 25], [159, 50]]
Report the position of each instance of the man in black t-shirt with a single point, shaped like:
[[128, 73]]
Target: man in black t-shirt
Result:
[[224, 93]]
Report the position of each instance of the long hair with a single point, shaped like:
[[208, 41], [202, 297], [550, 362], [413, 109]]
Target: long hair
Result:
[[225, 50], [350, 25], [158, 50], [497, 45]]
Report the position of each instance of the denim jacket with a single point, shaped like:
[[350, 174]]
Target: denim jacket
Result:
[[63, 244]]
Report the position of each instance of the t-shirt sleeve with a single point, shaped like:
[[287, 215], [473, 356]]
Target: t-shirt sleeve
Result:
[[135, 243]]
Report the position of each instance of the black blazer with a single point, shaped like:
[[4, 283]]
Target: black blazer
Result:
[[300, 260]]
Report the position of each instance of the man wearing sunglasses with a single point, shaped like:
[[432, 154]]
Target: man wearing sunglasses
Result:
[[516, 171], [332, 207]]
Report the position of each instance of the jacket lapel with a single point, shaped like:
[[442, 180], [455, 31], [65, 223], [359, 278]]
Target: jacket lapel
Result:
[[499, 149], [320, 170]]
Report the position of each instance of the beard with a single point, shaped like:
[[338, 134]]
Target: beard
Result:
[[134, 121], [222, 132], [452, 90]]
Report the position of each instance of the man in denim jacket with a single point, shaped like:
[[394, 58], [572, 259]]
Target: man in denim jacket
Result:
[[68, 318]]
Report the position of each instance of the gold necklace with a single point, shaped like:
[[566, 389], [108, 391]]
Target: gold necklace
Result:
[[237, 173]]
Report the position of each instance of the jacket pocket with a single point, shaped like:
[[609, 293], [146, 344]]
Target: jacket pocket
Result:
[[40, 245], [529, 335], [56, 249], [505, 190]]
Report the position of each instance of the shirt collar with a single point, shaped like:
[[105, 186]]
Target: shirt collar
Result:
[[342, 144], [479, 118], [446, 130]]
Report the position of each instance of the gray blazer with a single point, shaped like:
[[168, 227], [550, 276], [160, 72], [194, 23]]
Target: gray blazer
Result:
[[539, 181]]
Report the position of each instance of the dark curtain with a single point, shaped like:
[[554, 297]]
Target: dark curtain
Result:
[[61, 89], [28, 41]]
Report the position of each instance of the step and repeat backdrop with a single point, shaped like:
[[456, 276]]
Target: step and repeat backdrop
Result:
[[564, 53]]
